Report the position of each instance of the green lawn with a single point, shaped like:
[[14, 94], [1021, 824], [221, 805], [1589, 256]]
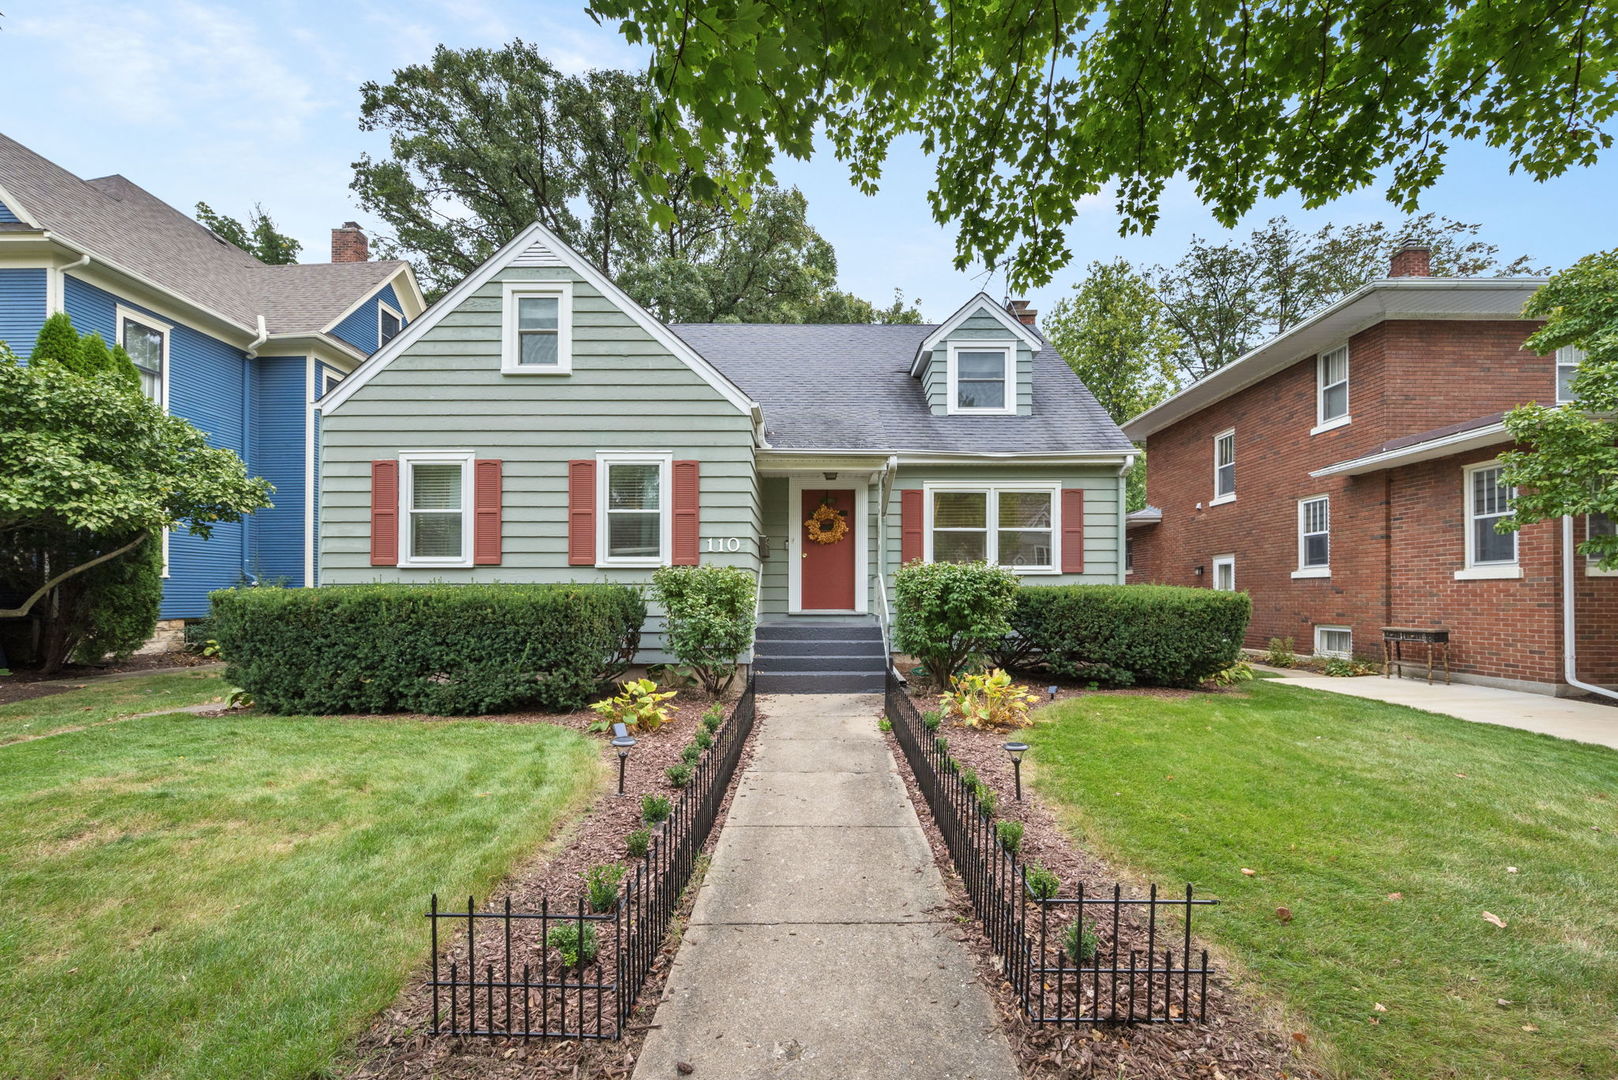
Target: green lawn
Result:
[[107, 700], [1337, 803], [237, 896]]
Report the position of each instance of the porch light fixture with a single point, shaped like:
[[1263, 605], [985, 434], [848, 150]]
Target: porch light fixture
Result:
[[622, 744], [1016, 750]]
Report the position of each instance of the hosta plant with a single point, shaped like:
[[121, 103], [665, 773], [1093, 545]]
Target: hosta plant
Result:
[[639, 705], [990, 701]]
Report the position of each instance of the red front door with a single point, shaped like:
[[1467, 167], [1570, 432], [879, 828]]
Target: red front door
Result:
[[827, 580]]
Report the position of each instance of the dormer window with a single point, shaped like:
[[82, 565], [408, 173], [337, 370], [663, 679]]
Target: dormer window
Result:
[[981, 378], [388, 324]]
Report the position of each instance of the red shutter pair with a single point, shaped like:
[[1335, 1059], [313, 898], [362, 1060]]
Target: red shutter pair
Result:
[[581, 512], [912, 516], [486, 512]]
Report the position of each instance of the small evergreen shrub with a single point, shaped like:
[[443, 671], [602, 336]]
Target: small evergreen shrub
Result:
[[988, 801], [691, 754], [1042, 884], [576, 944], [638, 843], [710, 621], [678, 775], [1081, 947], [444, 649], [932, 719], [1010, 834], [655, 808], [601, 886], [942, 744], [947, 613], [702, 739], [713, 719]]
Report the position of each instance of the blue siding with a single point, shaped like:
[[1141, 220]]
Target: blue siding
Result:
[[359, 328], [6, 216], [278, 456], [22, 307]]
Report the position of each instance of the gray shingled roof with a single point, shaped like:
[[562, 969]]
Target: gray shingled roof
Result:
[[848, 387], [125, 224]]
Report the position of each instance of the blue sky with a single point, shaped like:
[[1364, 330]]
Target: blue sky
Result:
[[234, 104]]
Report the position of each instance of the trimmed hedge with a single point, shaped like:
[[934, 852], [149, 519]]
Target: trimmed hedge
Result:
[[441, 649], [1161, 635]]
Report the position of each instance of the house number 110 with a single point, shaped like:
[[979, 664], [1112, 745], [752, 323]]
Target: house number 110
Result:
[[726, 543]]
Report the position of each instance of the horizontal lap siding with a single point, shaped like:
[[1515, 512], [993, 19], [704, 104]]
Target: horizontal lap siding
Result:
[[979, 327], [359, 328], [278, 456], [626, 392], [7, 215], [22, 307]]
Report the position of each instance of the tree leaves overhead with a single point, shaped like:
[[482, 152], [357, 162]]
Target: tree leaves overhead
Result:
[[483, 142], [1031, 106], [259, 237]]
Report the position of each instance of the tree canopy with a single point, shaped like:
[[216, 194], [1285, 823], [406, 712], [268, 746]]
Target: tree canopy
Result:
[[1030, 106], [258, 237], [484, 141]]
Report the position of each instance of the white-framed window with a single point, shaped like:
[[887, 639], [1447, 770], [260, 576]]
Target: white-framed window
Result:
[[1334, 641], [983, 377], [329, 380], [1314, 537], [1331, 389], [1488, 499], [435, 529], [1224, 466], [537, 328], [1224, 573], [1598, 525], [1012, 526], [633, 525], [1568, 358], [146, 340], [388, 323]]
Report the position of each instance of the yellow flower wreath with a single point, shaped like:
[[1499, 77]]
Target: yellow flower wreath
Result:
[[826, 525]]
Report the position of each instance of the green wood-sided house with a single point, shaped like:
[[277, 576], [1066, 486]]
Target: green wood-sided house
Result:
[[537, 425]]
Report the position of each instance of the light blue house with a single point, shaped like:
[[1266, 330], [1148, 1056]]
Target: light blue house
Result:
[[241, 349]]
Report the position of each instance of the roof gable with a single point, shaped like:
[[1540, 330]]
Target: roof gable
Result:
[[982, 303]]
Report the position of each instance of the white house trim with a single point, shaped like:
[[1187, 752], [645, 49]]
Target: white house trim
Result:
[[500, 260], [795, 542], [1008, 351], [121, 313], [511, 293], [1442, 446], [407, 460], [664, 460], [18, 210], [311, 375], [966, 311]]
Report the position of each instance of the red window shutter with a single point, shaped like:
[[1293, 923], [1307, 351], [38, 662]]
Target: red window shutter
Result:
[[581, 512], [1072, 530], [486, 525], [687, 511], [385, 513], [911, 510]]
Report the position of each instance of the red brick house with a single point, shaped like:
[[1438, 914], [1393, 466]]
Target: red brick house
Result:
[[1344, 475]]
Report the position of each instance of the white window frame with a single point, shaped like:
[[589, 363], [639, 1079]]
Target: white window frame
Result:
[[1229, 496], [605, 459], [1474, 570], [991, 509], [1008, 351], [123, 314], [330, 379], [1320, 647], [381, 306], [1568, 356], [510, 348], [1304, 570], [408, 460], [1592, 567], [1322, 421], [1219, 561]]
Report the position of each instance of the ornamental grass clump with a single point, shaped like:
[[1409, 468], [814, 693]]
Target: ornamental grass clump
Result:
[[946, 613]]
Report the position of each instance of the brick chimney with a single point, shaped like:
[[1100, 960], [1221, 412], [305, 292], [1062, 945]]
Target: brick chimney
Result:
[[1411, 260], [1021, 311], [349, 244]]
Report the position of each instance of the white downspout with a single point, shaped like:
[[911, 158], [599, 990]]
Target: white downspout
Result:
[[263, 336], [1570, 649], [884, 492]]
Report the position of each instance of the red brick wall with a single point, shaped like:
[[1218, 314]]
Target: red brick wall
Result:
[[1406, 377]]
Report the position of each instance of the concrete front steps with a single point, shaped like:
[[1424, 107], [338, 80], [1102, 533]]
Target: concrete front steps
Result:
[[820, 655]]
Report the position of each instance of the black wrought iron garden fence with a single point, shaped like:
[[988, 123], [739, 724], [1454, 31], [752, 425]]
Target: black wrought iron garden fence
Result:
[[1080, 959], [570, 972]]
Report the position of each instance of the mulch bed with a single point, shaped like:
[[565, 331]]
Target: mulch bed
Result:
[[29, 683], [1242, 1039], [398, 1045]]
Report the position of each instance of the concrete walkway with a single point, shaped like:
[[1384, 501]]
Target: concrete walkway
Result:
[[813, 949], [1566, 718]]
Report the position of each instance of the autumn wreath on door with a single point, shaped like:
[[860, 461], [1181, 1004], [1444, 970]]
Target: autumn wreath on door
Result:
[[827, 524]]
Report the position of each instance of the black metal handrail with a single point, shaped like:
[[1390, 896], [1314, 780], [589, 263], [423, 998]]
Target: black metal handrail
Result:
[[1112, 984], [513, 998]]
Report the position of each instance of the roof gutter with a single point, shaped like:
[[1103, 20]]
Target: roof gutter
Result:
[[263, 336], [1570, 644]]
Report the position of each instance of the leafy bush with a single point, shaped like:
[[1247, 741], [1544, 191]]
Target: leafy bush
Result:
[[601, 886], [1161, 635], [1339, 667], [1010, 834], [1042, 884], [946, 613], [710, 618], [679, 775], [1081, 946], [655, 808], [638, 704], [713, 719], [1281, 653], [638, 843], [884, 725], [449, 649], [1239, 672], [576, 944], [990, 702]]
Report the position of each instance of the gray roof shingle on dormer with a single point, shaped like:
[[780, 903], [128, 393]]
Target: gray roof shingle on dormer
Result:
[[125, 224], [849, 387]]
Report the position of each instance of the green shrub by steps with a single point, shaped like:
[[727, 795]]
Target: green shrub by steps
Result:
[[441, 649], [1161, 635]]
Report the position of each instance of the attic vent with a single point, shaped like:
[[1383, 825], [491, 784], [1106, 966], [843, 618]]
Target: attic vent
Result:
[[537, 254]]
